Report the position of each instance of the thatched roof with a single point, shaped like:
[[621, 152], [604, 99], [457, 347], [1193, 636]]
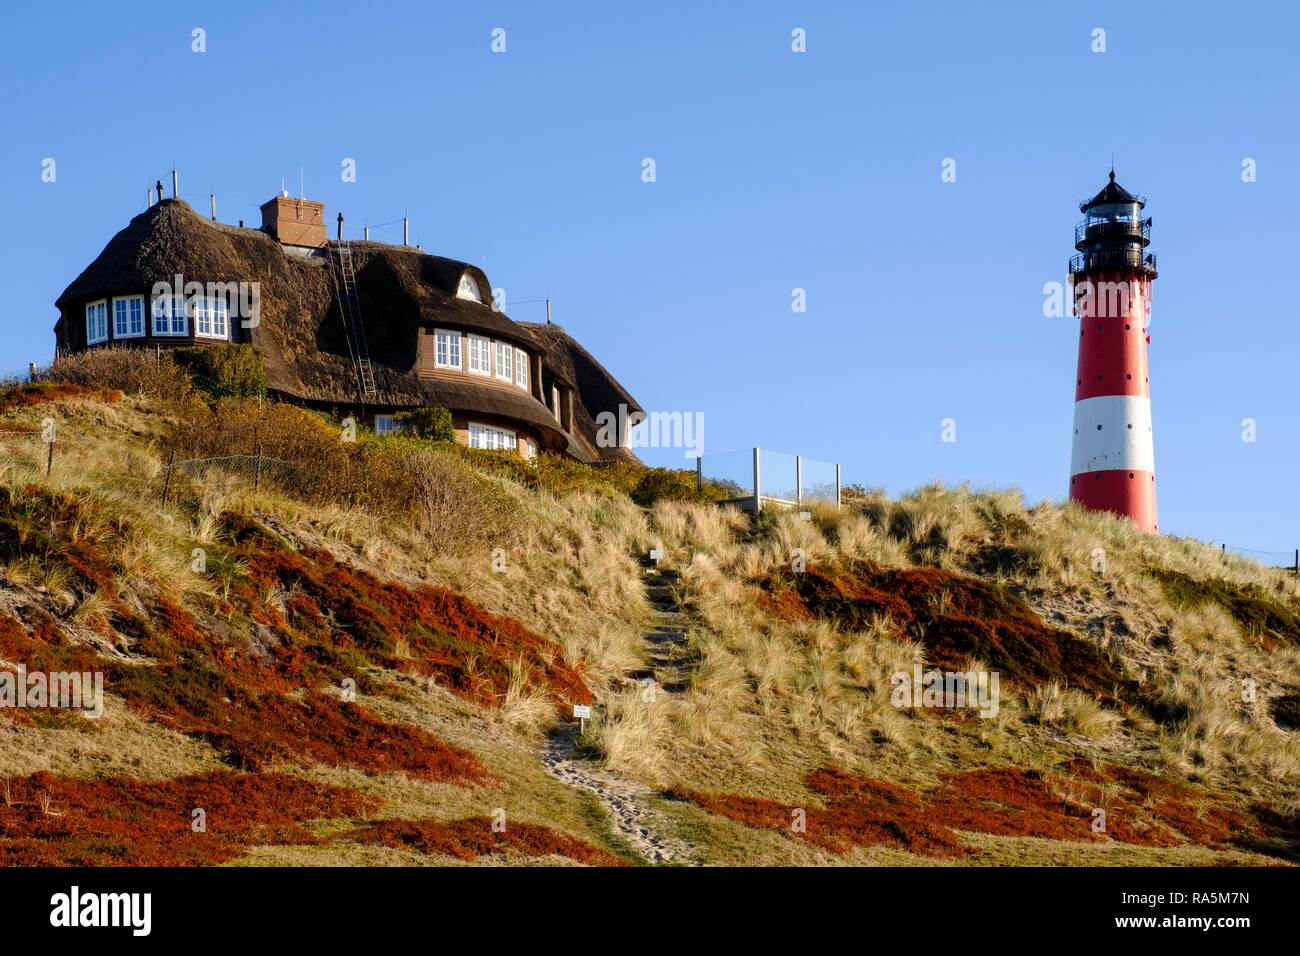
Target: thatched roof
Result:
[[598, 390], [301, 333]]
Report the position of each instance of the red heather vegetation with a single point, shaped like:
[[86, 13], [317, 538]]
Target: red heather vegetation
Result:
[[1149, 810], [1141, 809], [25, 396], [859, 811], [338, 617], [62, 821], [471, 838], [954, 616], [205, 680]]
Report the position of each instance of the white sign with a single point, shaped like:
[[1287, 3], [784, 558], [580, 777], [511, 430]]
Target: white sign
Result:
[[582, 711], [656, 554]]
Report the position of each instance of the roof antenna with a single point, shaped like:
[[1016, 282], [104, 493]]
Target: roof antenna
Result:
[[1112, 167], [283, 190]]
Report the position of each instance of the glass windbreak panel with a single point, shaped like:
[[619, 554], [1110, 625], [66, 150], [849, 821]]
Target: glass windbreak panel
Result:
[[730, 472], [818, 480], [777, 476]]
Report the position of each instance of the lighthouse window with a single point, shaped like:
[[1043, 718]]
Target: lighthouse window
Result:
[[96, 322], [128, 317]]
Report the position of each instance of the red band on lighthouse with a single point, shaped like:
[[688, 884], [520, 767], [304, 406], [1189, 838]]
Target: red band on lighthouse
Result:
[[1112, 465]]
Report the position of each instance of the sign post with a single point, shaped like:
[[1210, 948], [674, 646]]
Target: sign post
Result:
[[582, 712]]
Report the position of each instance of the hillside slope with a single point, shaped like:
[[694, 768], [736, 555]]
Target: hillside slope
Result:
[[370, 654]]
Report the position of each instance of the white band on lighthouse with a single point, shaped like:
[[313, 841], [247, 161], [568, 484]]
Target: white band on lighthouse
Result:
[[1112, 432]]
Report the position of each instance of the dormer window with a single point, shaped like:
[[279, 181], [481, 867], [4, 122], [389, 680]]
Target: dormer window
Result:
[[446, 349], [505, 361], [468, 288], [169, 317], [128, 317], [521, 369], [97, 322], [211, 318], [480, 355]]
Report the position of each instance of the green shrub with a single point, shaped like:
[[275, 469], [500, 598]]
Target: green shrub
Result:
[[433, 423], [665, 484], [225, 370]]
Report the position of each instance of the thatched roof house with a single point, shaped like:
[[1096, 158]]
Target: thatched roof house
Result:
[[423, 326]]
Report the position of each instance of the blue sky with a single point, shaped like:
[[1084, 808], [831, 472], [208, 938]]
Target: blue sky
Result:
[[775, 171]]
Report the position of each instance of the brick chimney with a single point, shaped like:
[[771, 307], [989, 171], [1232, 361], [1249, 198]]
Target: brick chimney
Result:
[[295, 222]]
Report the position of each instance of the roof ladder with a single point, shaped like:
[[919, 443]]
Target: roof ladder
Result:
[[345, 282]]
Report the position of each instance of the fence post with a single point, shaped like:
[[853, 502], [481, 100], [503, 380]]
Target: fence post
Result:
[[257, 448], [1297, 561], [837, 486], [699, 473], [798, 479], [758, 494], [49, 460], [167, 482]]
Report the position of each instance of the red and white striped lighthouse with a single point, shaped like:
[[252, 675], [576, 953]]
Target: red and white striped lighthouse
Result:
[[1112, 467]]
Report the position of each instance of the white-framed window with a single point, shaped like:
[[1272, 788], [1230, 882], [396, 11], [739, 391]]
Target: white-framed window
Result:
[[169, 315], [446, 349], [480, 355], [385, 425], [485, 436], [521, 369], [468, 288], [505, 361], [96, 322], [530, 449], [210, 318], [128, 317]]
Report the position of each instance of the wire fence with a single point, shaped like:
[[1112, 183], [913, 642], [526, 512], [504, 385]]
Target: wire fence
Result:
[[1282, 559]]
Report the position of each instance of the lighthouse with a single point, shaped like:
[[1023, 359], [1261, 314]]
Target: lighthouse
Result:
[[1112, 466]]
